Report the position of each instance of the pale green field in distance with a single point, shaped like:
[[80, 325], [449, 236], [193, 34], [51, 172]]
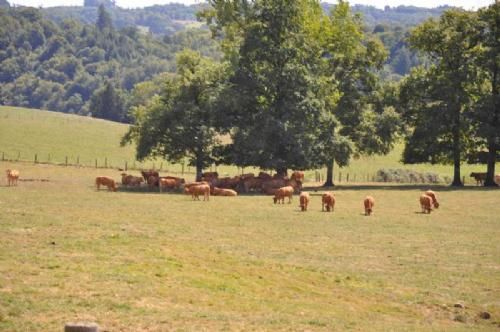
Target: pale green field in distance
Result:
[[136, 260], [26, 132]]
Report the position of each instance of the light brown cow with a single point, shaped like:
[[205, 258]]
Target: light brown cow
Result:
[[298, 176], [197, 190], [304, 199], [12, 176], [433, 195], [283, 192], [105, 181], [426, 203], [328, 201], [369, 202], [224, 192], [170, 183]]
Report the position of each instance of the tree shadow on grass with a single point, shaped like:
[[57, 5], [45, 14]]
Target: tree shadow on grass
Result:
[[396, 187]]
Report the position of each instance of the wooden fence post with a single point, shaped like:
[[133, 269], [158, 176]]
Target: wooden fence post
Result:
[[161, 166], [340, 176], [463, 180], [125, 165], [78, 160], [36, 158], [3, 156], [347, 180], [105, 162], [182, 168], [96, 163], [66, 161], [48, 158]]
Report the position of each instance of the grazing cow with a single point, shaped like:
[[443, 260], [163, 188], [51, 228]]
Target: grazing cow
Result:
[[153, 181], [369, 202], [283, 192], [130, 180], [479, 177], [327, 201], [304, 201], [433, 195], [426, 203], [105, 181], [170, 183], [197, 190], [224, 192], [12, 176]]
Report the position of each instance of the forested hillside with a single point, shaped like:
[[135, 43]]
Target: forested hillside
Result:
[[81, 59], [61, 66]]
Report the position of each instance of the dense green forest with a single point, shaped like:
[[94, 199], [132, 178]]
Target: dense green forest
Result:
[[62, 66]]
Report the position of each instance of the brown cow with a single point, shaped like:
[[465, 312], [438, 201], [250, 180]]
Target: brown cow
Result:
[[369, 202], [264, 176], [497, 179], [209, 176], [304, 199], [328, 201], [252, 184], [196, 190], [224, 192], [283, 192], [480, 177], [426, 203], [105, 181], [170, 183], [130, 180], [433, 195], [12, 176], [147, 174], [298, 176]]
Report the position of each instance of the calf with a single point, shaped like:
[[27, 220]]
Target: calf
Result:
[[283, 192], [304, 201], [328, 201], [433, 195], [426, 203], [12, 176], [105, 181], [479, 177], [369, 202], [224, 192]]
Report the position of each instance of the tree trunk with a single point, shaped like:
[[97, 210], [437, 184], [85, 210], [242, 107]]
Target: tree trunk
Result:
[[457, 182], [281, 171], [492, 156], [329, 174], [199, 168]]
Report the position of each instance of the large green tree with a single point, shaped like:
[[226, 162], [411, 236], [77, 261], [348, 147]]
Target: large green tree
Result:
[[183, 122], [487, 108], [434, 101], [276, 116], [361, 123]]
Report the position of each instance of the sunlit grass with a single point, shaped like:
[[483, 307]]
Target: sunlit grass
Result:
[[144, 261]]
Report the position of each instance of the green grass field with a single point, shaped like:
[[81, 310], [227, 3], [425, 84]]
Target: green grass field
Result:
[[26, 132], [143, 261]]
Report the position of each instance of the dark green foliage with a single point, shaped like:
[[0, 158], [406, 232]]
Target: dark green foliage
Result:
[[103, 19], [183, 123], [75, 60], [108, 103]]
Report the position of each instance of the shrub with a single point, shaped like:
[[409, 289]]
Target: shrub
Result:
[[407, 176]]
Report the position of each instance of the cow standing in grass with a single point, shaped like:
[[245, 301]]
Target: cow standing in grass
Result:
[[328, 202], [426, 203], [479, 177], [369, 202], [105, 181], [12, 177], [304, 199]]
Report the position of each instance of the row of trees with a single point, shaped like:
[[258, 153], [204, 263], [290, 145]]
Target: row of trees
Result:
[[298, 89]]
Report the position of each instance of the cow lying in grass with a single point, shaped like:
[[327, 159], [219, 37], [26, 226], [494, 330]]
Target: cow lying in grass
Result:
[[283, 192], [105, 181], [12, 177], [328, 202], [369, 202], [130, 180], [224, 192]]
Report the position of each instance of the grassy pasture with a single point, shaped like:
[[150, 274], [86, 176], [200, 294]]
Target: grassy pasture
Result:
[[143, 261], [27, 132]]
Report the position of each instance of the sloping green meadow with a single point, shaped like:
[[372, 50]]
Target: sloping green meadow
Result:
[[53, 137], [136, 260]]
